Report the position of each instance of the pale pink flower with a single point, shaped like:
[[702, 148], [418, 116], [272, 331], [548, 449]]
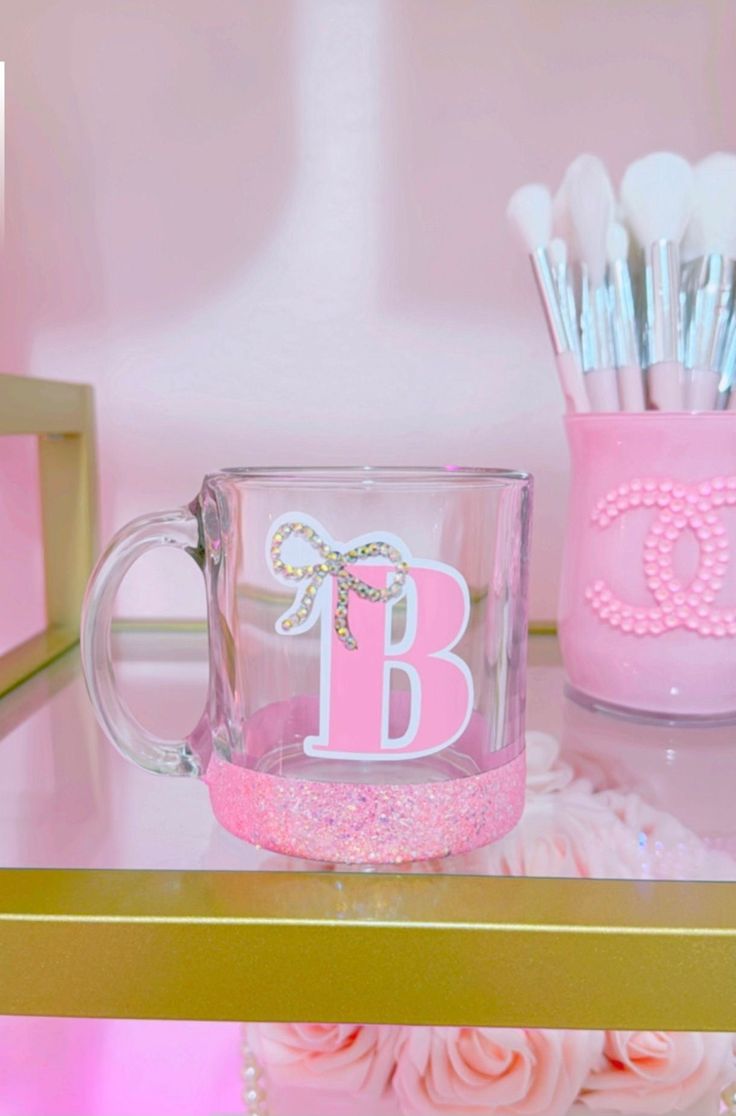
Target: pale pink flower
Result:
[[650, 1073], [545, 771], [347, 1057], [468, 1071], [572, 833], [576, 832], [668, 850]]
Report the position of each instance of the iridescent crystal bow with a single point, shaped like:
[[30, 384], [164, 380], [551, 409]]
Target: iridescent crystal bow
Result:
[[333, 563]]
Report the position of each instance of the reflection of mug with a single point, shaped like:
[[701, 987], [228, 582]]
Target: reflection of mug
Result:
[[367, 663], [648, 597]]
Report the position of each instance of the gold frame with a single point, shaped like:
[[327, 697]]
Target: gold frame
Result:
[[61, 415], [413, 949]]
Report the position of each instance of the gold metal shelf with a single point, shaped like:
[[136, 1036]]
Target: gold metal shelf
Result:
[[127, 900], [376, 948]]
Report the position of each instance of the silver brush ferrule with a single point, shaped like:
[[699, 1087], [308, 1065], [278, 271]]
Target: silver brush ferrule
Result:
[[595, 325], [710, 310], [550, 300], [727, 381], [663, 335], [566, 294], [623, 315]]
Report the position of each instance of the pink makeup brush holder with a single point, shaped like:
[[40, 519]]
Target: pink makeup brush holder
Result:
[[647, 615]]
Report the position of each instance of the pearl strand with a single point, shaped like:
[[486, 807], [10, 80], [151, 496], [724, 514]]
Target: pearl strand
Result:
[[254, 1088]]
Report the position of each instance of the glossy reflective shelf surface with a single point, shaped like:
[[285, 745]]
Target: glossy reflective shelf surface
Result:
[[621, 800]]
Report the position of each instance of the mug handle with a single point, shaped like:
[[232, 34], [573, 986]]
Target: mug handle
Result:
[[179, 528]]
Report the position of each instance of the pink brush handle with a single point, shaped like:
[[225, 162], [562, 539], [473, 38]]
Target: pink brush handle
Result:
[[701, 390], [665, 386], [631, 388], [602, 388], [572, 382]]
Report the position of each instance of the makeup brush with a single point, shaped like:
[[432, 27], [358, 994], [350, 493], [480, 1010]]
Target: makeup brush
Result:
[[563, 240], [711, 239], [563, 243], [657, 199], [530, 213], [558, 258], [589, 195], [727, 386], [623, 320]]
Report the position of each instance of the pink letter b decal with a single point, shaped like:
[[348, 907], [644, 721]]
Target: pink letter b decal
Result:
[[357, 699]]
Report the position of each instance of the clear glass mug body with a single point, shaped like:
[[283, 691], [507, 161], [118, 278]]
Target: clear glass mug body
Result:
[[367, 632], [647, 616]]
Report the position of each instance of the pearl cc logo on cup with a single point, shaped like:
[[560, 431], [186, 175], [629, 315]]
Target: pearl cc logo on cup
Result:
[[353, 590], [681, 509]]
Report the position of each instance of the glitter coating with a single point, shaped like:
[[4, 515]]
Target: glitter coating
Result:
[[359, 823]]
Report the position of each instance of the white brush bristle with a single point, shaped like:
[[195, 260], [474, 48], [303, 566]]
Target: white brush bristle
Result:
[[691, 247], [590, 202], [561, 225], [712, 226], [657, 197], [617, 243], [557, 251], [530, 213]]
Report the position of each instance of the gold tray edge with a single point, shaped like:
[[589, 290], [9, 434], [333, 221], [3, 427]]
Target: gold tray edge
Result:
[[389, 948]]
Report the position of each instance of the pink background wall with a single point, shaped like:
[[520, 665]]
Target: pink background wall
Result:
[[273, 231], [118, 1067]]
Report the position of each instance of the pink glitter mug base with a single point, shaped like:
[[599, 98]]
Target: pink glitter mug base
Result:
[[360, 823]]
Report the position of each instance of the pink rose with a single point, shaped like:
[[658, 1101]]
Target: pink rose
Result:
[[654, 1072], [668, 850], [606, 835], [572, 833], [545, 771], [342, 1056], [464, 1071]]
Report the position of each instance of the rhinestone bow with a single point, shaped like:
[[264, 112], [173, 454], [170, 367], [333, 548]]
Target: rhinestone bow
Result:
[[332, 563]]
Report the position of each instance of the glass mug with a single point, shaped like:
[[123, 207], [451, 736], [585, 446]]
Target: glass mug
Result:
[[367, 645], [647, 616]]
